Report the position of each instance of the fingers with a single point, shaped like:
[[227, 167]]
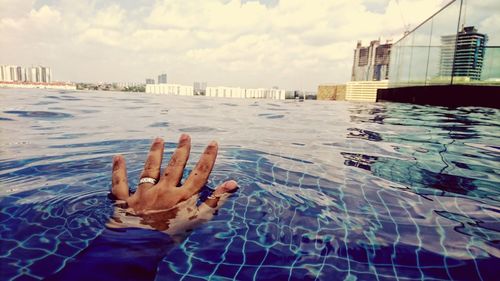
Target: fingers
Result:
[[199, 175], [153, 161], [119, 185], [175, 168], [217, 198]]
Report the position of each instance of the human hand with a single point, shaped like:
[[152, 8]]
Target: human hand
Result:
[[164, 205]]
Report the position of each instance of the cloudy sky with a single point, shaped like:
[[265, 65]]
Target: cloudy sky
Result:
[[293, 44]]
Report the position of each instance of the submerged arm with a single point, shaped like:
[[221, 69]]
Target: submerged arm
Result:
[[150, 222]]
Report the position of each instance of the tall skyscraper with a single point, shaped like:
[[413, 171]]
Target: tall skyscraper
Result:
[[20, 74], [31, 73], [38, 76], [463, 54], [7, 73], [372, 62], [162, 78], [46, 74], [13, 73]]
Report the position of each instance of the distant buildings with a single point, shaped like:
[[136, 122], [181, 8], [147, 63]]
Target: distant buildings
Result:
[[234, 92], [370, 71], [200, 88], [331, 92], [226, 92], [300, 95], [33, 77], [466, 59], [127, 84], [150, 81], [371, 63], [170, 89], [33, 74], [221, 92], [25, 85], [162, 79]]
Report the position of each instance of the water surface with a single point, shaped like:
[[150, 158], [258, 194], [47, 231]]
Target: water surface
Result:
[[328, 190]]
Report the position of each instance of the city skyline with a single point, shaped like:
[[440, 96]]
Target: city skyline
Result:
[[33, 74], [231, 43]]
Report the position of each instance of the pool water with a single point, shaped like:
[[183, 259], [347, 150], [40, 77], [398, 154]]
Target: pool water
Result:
[[328, 190]]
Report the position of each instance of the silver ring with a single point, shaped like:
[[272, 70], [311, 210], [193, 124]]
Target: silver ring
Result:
[[212, 196], [147, 180]]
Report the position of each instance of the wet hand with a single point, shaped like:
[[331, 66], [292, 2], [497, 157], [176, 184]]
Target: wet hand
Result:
[[161, 201]]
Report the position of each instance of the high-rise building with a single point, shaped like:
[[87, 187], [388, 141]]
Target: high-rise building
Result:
[[31, 74], [3, 73], [20, 74], [463, 54], [162, 78], [46, 74], [150, 81], [371, 63], [14, 73], [38, 77], [7, 73], [49, 75]]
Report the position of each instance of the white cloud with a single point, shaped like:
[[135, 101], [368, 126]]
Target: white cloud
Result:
[[15, 8], [207, 15], [107, 37], [293, 44], [45, 17], [110, 17]]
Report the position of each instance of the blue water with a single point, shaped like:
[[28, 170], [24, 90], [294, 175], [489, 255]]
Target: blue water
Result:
[[328, 190]]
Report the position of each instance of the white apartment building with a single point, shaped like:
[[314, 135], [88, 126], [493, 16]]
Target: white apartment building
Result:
[[236, 92], [14, 73], [221, 92], [170, 89], [8, 73], [127, 84], [364, 90], [225, 92]]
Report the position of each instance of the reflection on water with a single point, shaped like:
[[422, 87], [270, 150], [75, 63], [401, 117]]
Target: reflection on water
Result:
[[354, 191]]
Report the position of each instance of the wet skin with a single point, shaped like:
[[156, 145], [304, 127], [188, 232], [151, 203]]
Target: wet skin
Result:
[[167, 205]]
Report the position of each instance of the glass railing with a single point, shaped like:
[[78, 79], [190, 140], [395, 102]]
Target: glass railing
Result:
[[491, 66], [454, 46]]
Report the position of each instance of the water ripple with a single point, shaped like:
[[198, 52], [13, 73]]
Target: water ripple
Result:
[[39, 114], [354, 191]]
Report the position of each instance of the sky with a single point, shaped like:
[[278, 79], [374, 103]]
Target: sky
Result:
[[292, 44]]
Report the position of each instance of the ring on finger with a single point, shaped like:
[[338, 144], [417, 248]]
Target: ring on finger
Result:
[[213, 196], [147, 180]]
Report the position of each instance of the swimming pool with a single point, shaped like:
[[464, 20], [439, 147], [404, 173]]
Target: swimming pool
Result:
[[328, 190]]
